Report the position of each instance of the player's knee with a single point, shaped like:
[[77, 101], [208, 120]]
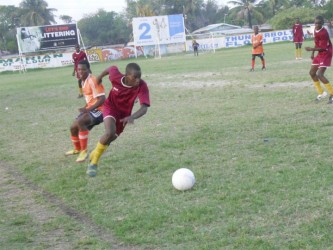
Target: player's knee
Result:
[[312, 73], [110, 135]]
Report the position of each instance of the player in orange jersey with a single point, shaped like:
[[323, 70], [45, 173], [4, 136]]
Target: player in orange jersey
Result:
[[90, 115], [257, 48]]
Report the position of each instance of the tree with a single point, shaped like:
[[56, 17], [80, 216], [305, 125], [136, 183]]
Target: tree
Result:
[[36, 13], [104, 28], [246, 9], [9, 20], [285, 19], [66, 19]]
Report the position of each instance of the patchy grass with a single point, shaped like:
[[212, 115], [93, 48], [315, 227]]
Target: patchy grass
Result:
[[259, 145]]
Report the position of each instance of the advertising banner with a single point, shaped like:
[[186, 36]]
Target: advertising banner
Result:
[[43, 38], [159, 30]]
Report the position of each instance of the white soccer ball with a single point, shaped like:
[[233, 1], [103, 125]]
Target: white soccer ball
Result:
[[183, 179]]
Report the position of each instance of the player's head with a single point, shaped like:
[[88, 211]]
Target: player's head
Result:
[[319, 22], [77, 47], [297, 20], [256, 29], [83, 69], [133, 74]]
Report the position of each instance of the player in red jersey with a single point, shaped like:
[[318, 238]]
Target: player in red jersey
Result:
[[78, 56], [90, 115], [257, 48], [117, 109], [323, 46], [298, 38]]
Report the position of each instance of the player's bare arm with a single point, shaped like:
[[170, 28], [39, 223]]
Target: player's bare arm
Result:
[[140, 112]]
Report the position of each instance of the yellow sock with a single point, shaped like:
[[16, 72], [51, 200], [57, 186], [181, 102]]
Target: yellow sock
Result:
[[97, 153], [300, 53], [80, 91], [318, 87], [296, 53], [329, 88]]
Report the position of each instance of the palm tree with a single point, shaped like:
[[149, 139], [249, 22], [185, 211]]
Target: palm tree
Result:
[[246, 9], [36, 13]]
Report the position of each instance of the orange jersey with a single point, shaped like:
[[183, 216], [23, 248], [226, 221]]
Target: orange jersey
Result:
[[92, 90], [256, 40]]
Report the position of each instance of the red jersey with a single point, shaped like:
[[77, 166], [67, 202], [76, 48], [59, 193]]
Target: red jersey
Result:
[[78, 57], [298, 33], [122, 97], [322, 40]]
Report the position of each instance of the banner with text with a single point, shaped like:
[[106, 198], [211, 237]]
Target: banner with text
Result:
[[155, 30], [43, 38]]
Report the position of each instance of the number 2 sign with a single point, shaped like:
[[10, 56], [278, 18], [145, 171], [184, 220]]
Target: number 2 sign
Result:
[[158, 30]]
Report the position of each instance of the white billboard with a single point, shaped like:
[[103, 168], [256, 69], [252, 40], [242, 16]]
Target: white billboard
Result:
[[159, 30]]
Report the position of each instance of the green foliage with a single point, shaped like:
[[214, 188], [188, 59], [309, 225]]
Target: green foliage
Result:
[[285, 19], [104, 28], [36, 13]]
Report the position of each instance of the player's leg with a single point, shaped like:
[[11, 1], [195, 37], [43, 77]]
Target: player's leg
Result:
[[253, 62], [296, 53], [324, 80], [263, 62], [300, 51], [84, 121], [313, 73], [104, 142], [74, 129]]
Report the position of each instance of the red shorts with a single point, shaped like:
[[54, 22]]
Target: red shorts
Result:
[[298, 39], [323, 60], [109, 111]]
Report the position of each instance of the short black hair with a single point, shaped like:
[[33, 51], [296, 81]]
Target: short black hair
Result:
[[320, 18], [85, 62], [133, 68]]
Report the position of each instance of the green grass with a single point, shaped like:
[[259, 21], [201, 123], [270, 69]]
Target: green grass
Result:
[[259, 146]]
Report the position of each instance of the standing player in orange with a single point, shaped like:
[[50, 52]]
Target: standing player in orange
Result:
[[90, 115], [298, 37], [117, 109], [323, 46], [257, 48], [78, 56]]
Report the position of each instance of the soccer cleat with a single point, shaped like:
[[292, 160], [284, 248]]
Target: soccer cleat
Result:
[[80, 96], [321, 96], [251, 70], [82, 156], [330, 99], [263, 68], [92, 170], [72, 152]]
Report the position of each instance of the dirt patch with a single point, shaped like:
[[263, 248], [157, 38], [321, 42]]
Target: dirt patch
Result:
[[19, 193]]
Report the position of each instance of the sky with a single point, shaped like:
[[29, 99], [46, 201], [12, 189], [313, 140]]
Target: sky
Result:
[[78, 8]]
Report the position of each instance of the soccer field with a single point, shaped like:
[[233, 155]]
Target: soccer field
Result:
[[258, 144]]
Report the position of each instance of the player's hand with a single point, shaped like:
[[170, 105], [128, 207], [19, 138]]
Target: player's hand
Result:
[[99, 79], [308, 48], [127, 119]]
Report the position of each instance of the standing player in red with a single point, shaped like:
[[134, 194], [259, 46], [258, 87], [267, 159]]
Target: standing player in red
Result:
[[77, 56], [117, 109], [298, 37], [323, 46], [90, 115], [257, 48]]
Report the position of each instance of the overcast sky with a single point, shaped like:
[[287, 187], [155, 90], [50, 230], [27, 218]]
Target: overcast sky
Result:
[[78, 8]]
